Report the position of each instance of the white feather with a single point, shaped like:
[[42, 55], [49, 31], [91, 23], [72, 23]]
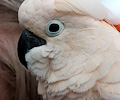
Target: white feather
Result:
[[113, 76], [85, 7], [109, 91], [92, 7], [110, 57]]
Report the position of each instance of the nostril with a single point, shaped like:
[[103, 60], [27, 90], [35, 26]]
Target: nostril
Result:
[[27, 41]]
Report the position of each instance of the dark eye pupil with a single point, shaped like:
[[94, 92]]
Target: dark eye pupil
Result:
[[54, 27]]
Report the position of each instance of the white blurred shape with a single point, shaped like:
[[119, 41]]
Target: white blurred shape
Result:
[[113, 5]]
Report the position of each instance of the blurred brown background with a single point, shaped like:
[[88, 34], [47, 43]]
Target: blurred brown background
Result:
[[16, 82]]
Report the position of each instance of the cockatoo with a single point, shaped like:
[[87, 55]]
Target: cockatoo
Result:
[[72, 47]]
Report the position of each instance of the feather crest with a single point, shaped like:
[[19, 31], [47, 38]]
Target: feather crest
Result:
[[95, 8], [83, 7]]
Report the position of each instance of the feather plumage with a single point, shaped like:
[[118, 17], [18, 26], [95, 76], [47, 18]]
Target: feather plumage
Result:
[[95, 9], [80, 58]]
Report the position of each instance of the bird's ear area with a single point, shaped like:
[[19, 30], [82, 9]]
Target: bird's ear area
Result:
[[87, 7]]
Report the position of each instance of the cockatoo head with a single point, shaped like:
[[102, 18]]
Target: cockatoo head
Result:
[[58, 23], [66, 38], [38, 15]]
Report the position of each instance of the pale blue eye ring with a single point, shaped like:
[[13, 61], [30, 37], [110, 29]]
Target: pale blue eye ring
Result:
[[54, 28]]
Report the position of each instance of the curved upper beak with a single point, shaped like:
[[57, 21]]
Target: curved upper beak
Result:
[[27, 41]]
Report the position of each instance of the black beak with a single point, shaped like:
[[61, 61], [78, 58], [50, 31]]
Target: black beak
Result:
[[27, 41]]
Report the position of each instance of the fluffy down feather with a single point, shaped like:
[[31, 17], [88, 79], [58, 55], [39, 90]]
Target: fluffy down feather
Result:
[[78, 63]]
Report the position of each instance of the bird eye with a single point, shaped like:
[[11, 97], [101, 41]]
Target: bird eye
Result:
[[54, 28]]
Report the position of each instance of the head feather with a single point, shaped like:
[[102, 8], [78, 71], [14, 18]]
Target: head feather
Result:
[[93, 8]]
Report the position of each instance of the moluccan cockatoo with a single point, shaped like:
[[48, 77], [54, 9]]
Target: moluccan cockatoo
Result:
[[72, 48]]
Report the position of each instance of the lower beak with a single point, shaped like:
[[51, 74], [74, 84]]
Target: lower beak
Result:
[[27, 41]]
